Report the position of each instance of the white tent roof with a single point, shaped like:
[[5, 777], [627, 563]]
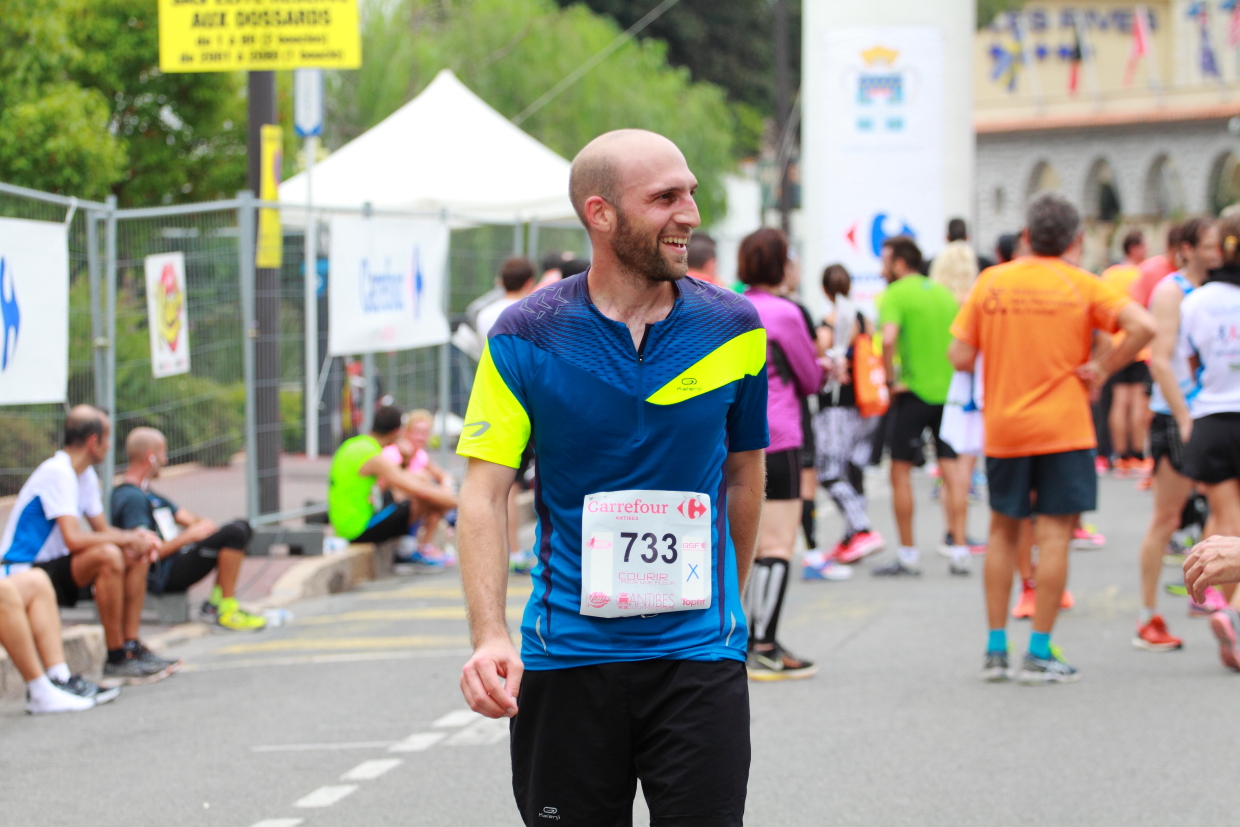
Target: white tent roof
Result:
[[445, 149]]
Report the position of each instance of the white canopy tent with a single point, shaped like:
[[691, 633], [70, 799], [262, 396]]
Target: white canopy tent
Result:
[[444, 150]]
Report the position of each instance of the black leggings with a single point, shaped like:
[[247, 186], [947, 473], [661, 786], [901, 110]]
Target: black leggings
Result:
[[195, 561]]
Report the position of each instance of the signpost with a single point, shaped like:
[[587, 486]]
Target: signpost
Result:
[[224, 36], [308, 121]]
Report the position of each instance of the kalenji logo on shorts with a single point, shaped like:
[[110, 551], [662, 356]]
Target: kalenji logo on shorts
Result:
[[550, 812], [692, 508], [598, 599]]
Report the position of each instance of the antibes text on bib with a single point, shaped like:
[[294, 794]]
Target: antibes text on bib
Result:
[[645, 552]]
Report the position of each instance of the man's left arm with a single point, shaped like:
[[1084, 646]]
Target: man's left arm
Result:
[[746, 488], [1138, 327]]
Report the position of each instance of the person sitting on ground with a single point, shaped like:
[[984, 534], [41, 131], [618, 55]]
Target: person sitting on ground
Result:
[[190, 547], [409, 452], [516, 276], [44, 530], [703, 262], [30, 633], [356, 468]]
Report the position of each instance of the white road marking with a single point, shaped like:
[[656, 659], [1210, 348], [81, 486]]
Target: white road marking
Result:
[[350, 657], [326, 796], [278, 822], [370, 770], [312, 747], [458, 718], [479, 733], [418, 742]]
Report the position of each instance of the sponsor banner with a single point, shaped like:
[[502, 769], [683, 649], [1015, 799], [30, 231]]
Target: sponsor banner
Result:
[[227, 35], [385, 285], [34, 309], [882, 174], [167, 314]]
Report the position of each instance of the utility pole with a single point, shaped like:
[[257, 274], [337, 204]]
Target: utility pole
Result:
[[262, 110], [783, 109]]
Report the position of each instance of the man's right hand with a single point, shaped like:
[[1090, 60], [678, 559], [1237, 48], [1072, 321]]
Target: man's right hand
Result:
[[1185, 424], [483, 678]]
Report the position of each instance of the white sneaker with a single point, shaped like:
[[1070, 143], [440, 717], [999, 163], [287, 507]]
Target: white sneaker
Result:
[[49, 698]]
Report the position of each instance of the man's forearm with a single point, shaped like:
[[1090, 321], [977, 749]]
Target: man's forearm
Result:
[[745, 494], [484, 566]]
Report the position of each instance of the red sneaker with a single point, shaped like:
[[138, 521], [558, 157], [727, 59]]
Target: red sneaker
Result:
[[1154, 637], [1066, 602], [1028, 599], [862, 544]]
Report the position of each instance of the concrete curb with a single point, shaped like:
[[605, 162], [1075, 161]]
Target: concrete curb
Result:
[[312, 577]]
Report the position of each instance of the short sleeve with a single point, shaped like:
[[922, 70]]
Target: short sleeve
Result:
[[59, 494], [1105, 305], [747, 425], [129, 509], [497, 421], [965, 325], [890, 312], [90, 498]]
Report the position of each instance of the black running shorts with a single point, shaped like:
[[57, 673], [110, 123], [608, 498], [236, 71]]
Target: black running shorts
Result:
[[60, 572], [1165, 442], [1213, 453], [585, 735], [907, 422], [1138, 373], [783, 474], [392, 521], [1066, 483]]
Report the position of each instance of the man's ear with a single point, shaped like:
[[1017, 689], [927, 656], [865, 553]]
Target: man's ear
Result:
[[600, 215]]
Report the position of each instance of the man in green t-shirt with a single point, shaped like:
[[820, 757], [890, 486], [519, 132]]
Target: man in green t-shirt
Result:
[[916, 316], [352, 490]]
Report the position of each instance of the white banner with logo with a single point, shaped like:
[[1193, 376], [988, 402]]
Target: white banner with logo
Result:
[[385, 285], [34, 308], [167, 314], [882, 170]]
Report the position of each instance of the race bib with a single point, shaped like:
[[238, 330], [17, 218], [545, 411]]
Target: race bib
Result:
[[167, 523], [645, 552]]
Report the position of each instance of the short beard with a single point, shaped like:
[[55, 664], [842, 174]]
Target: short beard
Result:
[[639, 257]]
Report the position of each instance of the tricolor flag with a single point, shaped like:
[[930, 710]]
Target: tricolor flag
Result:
[[1233, 25], [1075, 54], [1140, 42], [1209, 65]]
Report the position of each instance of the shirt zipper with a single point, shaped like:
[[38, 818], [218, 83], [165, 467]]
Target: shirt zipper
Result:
[[641, 385]]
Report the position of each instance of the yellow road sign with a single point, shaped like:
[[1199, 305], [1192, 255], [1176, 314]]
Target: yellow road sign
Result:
[[227, 35]]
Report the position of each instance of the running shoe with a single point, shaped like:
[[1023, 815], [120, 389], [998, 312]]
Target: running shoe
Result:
[[57, 700], [778, 664], [959, 566], [1038, 671], [236, 619], [139, 650], [1101, 466], [996, 668], [1177, 589], [130, 670], [976, 547], [1087, 538], [862, 544], [1066, 601], [1027, 603], [77, 685], [209, 613], [896, 569], [1154, 637], [829, 570], [1214, 602], [1226, 627], [1121, 468], [523, 561], [1143, 467]]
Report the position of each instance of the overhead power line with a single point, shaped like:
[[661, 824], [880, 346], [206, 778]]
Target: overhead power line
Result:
[[575, 75]]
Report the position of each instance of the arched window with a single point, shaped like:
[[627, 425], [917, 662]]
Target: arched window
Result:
[[1224, 182], [1041, 179], [1164, 195], [1101, 192]]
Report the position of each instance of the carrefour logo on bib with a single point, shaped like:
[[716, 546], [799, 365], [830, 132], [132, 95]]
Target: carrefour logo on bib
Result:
[[386, 289], [10, 313]]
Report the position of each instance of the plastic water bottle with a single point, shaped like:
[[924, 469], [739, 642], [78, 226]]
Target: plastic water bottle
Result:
[[277, 617]]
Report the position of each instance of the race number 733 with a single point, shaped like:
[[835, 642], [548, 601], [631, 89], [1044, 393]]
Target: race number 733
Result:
[[645, 553]]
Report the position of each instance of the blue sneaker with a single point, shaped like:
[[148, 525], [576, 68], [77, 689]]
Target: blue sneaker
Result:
[[829, 570]]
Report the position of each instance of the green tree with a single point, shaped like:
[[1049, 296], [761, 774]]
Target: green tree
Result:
[[988, 10], [510, 52]]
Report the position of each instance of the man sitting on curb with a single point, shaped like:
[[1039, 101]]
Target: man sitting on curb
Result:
[[190, 546], [356, 468], [44, 530], [30, 633]]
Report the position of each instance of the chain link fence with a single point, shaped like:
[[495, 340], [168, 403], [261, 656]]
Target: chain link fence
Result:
[[208, 413]]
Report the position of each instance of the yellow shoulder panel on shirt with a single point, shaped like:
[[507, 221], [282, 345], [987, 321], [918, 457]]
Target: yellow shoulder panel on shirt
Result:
[[497, 427], [736, 358]]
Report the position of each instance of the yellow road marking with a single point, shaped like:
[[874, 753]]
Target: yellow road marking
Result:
[[305, 643], [425, 613]]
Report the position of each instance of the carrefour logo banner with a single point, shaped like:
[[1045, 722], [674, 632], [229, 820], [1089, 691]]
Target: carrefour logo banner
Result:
[[167, 314], [34, 308], [386, 285]]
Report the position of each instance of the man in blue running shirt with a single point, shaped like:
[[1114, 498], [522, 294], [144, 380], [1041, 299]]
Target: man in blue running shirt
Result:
[[644, 393]]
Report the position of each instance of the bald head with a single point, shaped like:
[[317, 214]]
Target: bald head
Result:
[[142, 442], [614, 161], [83, 422]]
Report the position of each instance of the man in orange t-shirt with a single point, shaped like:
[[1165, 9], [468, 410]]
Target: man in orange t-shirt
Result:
[[1032, 320]]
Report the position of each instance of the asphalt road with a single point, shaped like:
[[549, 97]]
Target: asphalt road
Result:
[[351, 715]]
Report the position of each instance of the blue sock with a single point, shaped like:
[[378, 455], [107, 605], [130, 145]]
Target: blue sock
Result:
[[1040, 644], [997, 641]]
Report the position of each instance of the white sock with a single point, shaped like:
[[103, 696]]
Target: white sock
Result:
[[908, 555], [45, 696], [959, 553], [1145, 615], [59, 672]]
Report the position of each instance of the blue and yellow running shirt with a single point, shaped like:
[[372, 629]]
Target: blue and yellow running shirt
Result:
[[605, 416]]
